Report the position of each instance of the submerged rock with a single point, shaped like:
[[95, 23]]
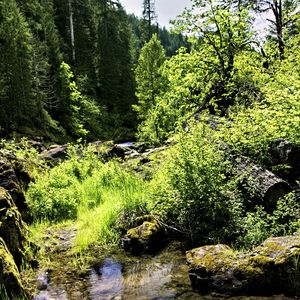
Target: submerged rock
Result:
[[147, 237], [272, 268]]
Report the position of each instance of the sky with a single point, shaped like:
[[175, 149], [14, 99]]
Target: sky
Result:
[[165, 9]]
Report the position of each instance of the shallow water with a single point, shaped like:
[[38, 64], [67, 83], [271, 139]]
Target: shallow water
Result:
[[126, 144], [161, 277]]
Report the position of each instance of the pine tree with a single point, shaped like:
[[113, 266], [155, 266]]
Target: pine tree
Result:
[[18, 108], [116, 90], [149, 17]]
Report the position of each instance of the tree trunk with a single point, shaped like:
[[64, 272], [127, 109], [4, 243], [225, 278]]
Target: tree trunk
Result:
[[72, 30], [262, 186]]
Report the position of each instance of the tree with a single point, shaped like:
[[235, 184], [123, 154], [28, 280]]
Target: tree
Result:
[[114, 69], [71, 119], [220, 34], [149, 18], [148, 76], [282, 22], [18, 108]]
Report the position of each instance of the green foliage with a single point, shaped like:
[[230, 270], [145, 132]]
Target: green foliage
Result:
[[5, 296], [148, 77], [259, 225], [275, 116], [72, 120], [16, 104], [192, 191], [85, 189], [150, 84], [171, 41], [25, 153]]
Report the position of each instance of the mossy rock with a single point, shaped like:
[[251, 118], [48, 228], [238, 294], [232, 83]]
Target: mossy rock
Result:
[[10, 279], [272, 268], [147, 237], [11, 172], [12, 228]]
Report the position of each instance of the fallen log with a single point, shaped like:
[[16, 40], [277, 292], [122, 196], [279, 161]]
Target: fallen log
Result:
[[284, 158], [262, 186]]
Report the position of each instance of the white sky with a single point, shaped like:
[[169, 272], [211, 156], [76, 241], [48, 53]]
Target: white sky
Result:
[[165, 9]]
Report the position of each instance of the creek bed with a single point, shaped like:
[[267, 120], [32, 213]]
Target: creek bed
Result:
[[122, 277]]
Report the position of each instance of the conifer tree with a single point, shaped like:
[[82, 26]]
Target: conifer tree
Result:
[[149, 17], [18, 108]]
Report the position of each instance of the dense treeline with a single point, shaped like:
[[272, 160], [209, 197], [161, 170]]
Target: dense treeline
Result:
[[67, 68]]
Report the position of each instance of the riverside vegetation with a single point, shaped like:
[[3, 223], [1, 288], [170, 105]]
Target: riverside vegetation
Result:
[[224, 111]]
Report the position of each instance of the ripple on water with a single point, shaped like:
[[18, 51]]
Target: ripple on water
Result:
[[53, 294], [154, 278]]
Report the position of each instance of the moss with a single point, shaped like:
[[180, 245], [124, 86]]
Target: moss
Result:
[[261, 260], [144, 231], [12, 229], [217, 258], [247, 270], [9, 274]]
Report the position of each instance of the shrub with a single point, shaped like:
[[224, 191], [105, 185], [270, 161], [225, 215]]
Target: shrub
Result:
[[192, 191], [259, 225]]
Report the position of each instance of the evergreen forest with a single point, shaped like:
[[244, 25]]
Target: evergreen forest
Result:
[[145, 162]]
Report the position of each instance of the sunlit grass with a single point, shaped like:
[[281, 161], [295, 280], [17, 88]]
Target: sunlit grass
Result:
[[97, 225], [90, 193]]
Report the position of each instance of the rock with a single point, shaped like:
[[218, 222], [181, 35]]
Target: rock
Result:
[[147, 237], [9, 274], [117, 152], [154, 150], [55, 154], [108, 150], [39, 146], [10, 182], [272, 268], [12, 228], [42, 281], [132, 154]]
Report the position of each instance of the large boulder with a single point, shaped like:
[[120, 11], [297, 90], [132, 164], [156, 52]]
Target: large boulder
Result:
[[108, 150], [9, 180], [272, 268], [12, 228], [12, 246]]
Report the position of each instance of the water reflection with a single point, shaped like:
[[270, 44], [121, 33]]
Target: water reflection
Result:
[[162, 277], [106, 281], [150, 280]]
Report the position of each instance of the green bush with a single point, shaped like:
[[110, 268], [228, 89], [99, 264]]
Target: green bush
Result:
[[259, 225], [192, 192]]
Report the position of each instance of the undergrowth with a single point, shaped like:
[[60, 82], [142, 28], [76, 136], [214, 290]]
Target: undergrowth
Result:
[[91, 193]]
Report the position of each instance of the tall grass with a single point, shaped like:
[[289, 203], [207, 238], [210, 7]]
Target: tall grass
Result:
[[90, 192]]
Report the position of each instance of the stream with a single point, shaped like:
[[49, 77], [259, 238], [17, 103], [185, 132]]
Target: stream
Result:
[[162, 277]]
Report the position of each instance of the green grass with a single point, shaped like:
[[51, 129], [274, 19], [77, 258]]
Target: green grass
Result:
[[93, 194]]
